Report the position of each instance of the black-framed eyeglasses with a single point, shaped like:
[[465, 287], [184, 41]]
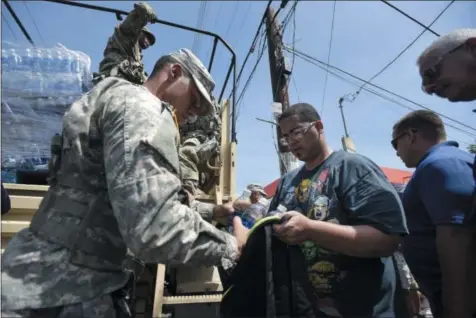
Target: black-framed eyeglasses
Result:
[[431, 74], [395, 140], [296, 134]]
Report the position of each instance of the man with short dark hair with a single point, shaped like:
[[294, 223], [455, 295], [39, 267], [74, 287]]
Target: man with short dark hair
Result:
[[435, 201], [115, 186], [347, 218]]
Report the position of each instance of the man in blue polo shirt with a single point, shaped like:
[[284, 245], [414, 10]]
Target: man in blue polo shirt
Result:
[[435, 201]]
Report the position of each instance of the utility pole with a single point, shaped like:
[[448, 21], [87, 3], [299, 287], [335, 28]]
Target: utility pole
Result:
[[347, 142], [279, 83]]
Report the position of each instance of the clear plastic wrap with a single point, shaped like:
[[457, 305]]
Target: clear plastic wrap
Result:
[[38, 84]]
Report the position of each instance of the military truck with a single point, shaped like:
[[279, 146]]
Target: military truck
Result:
[[160, 291]]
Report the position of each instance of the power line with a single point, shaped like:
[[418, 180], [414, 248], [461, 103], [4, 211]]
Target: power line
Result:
[[384, 97], [301, 54], [253, 44], [405, 49], [261, 53], [320, 64], [235, 10], [410, 17], [328, 57], [201, 17], [8, 25], [245, 19], [34, 23]]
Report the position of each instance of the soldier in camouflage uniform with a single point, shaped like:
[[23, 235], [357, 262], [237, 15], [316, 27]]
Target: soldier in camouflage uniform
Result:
[[123, 53], [201, 138], [115, 185]]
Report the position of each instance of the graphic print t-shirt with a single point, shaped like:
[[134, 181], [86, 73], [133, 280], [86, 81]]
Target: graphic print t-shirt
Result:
[[347, 189]]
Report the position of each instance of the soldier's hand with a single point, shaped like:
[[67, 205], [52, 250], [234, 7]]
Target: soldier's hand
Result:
[[240, 232], [223, 212], [147, 9]]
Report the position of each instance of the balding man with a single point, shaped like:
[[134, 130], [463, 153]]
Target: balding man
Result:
[[448, 69], [448, 66]]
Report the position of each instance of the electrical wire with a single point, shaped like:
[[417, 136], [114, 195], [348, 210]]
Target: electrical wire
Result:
[[243, 21], [8, 25], [235, 10], [410, 17], [322, 64], [202, 12], [383, 96], [253, 44], [260, 56], [328, 58], [34, 23], [404, 50]]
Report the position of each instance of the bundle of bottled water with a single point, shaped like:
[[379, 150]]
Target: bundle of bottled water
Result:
[[38, 85]]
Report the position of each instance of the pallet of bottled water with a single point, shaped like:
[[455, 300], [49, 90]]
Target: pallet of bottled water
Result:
[[39, 72], [38, 85]]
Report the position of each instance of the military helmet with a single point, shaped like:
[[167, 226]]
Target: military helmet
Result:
[[149, 35]]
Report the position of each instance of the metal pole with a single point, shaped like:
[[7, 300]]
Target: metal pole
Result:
[[341, 100]]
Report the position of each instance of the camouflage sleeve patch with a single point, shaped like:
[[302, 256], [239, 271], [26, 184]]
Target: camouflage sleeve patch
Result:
[[141, 163]]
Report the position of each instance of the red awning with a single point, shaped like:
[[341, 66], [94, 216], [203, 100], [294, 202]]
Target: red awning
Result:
[[394, 175]]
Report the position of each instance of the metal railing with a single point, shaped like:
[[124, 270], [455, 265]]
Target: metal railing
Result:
[[120, 13]]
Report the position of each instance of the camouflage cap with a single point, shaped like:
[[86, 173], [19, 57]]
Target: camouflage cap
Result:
[[257, 188], [203, 80], [149, 35]]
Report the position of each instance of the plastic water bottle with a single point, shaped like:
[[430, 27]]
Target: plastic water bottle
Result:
[[5, 66], [245, 196], [280, 209], [255, 212]]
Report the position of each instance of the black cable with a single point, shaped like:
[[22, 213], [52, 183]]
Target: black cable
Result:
[[235, 10], [34, 23], [381, 88], [405, 49], [8, 25], [383, 96], [243, 21], [18, 22], [410, 17], [253, 44], [328, 58]]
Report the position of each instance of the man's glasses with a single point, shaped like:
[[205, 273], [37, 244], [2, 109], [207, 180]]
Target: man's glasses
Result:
[[430, 75], [395, 140], [296, 134]]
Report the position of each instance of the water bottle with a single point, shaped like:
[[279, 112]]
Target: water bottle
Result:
[[245, 196], [5, 66], [280, 209], [255, 212]]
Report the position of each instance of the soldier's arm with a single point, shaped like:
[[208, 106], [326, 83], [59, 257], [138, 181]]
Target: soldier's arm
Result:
[[129, 30], [143, 187]]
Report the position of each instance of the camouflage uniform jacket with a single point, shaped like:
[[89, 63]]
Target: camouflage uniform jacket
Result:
[[123, 51], [116, 188]]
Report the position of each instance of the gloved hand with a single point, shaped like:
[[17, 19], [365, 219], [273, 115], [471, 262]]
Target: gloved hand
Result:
[[147, 10]]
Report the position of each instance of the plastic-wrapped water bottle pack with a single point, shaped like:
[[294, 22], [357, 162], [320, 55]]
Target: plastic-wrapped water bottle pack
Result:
[[38, 84]]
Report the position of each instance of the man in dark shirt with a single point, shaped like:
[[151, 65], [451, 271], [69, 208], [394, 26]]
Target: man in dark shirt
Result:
[[435, 201], [347, 218]]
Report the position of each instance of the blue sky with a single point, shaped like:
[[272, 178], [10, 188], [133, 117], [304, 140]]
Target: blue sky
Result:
[[367, 35]]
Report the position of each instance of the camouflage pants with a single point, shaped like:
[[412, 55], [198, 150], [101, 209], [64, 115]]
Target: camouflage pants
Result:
[[101, 307]]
